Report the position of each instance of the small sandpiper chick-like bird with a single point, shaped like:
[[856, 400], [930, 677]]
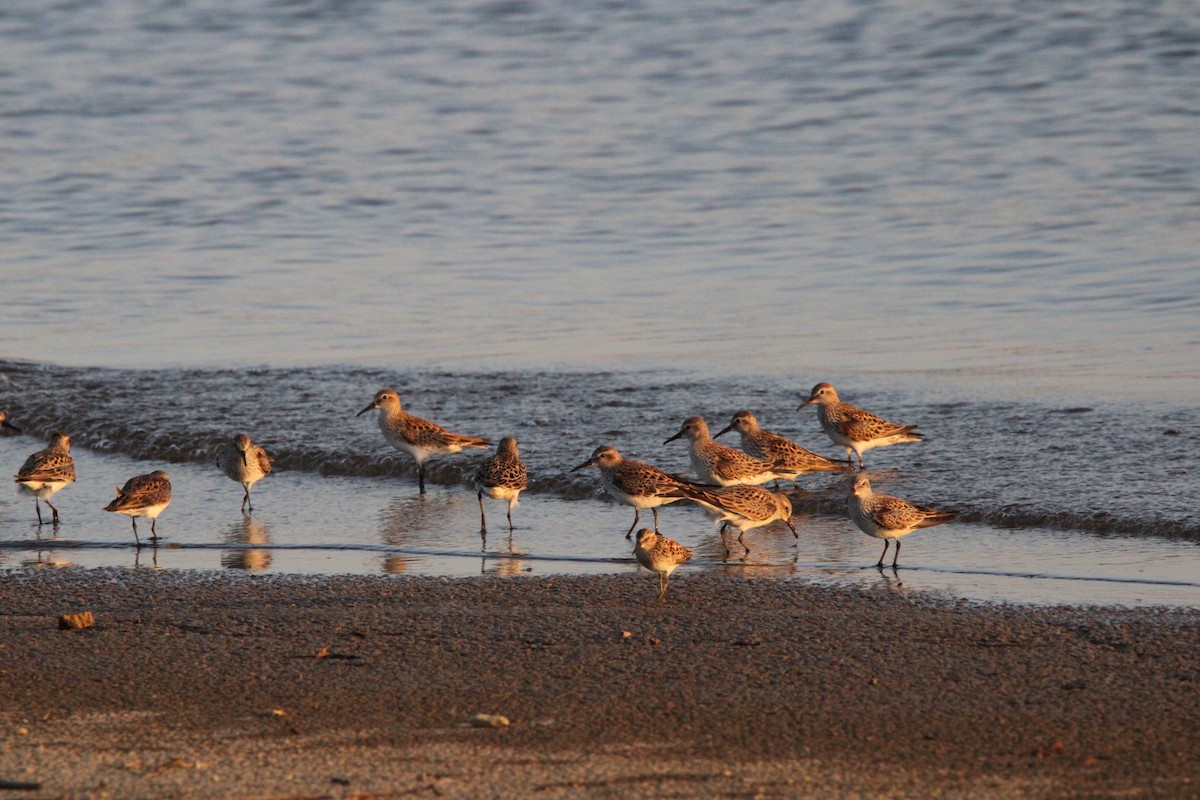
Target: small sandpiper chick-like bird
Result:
[[4, 423], [418, 437], [634, 483], [772, 447], [661, 555], [143, 496], [720, 464], [245, 462], [888, 518], [501, 477], [744, 507], [854, 429], [47, 471]]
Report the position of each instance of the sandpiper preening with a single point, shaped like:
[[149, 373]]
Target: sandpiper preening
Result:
[[501, 477], [742, 506], [143, 496], [853, 428], [888, 518], [46, 472], [418, 437], [245, 462], [660, 555], [634, 483], [720, 464], [772, 447]]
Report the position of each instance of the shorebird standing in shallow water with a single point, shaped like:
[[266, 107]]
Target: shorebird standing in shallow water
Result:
[[853, 428], [888, 518], [777, 449], [245, 462], [501, 477], [4, 423], [743, 507], [143, 496], [634, 483], [418, 437], [661, 555], [47, 471], [720, 464]]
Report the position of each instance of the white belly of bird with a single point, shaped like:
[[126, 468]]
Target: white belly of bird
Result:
[[501, 493], [42, 490], [149, 512]]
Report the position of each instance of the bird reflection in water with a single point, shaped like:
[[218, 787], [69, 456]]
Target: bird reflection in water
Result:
[[247, 531], [419, 521]]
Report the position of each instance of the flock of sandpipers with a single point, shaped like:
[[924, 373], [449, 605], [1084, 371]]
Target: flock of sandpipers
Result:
[[727, 484]]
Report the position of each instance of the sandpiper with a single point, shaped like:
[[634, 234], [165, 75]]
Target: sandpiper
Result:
[[143, 496], [4, 423], [634, 483], [661, 555], [744, 507], [245, 462], [777, 449], [853, 428], [501, 477], [47, 471], [720, 464], [418, 437], [888, 518]]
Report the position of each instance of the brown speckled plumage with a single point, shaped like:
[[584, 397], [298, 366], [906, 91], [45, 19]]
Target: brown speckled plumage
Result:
[[661, 555], [502, 476], [720, 464], [46, 472], [772, 447], [888, 518], [852, 427]]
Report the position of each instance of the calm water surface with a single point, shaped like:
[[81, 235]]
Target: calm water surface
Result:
[[581, 224]]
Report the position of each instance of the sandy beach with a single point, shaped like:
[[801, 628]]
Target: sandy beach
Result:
[[220, 685]]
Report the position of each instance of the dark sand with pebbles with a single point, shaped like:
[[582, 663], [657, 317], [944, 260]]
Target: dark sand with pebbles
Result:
[[223, 685]]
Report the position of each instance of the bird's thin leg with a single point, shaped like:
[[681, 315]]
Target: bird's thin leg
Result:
[[636, 517], [510, 525], [153, 532], [884, 553], [421, 476], [246, 500], [135, 534], [655, 511], [896, 555], [742, 542], [38, 507], [54, 511], [724, 541], [482, 518]]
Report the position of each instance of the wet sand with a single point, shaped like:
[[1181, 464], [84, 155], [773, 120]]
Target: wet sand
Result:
[[228, 685]]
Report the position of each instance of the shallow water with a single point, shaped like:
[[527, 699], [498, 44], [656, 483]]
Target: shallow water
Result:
[[579, 225], [1039, 521]]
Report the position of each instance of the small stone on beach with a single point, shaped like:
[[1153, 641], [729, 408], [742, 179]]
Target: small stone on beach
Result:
[[83, 619], [488, 721]]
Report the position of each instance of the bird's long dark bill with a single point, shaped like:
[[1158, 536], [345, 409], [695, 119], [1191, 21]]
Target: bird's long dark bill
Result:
[[365, 410], [10, 426], [673, 438], [723, 431], [587, 463], [807, 402]]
